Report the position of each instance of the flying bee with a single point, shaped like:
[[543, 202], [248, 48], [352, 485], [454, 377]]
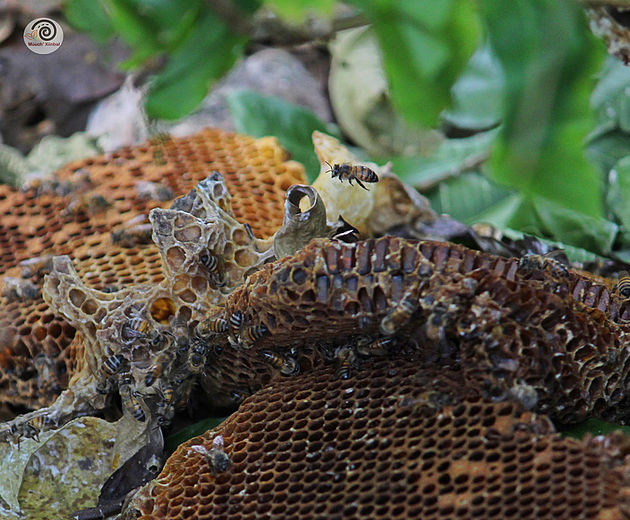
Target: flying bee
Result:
[[346, 360], [134, 328], [162, 361], [623, 286], [113, 364], [253, 334], [197, 356], [400, 314], [356, 172], [378, 347], [287, 365], [212, 326]]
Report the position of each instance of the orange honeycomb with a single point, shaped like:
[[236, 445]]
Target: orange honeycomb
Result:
[[393, 441], [68, 216]]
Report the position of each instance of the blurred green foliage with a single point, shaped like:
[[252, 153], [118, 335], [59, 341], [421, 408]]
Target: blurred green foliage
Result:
[[540, 143]]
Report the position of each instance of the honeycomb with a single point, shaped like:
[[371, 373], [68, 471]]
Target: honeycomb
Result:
[[68, 216], [535, 335], [394, 441]]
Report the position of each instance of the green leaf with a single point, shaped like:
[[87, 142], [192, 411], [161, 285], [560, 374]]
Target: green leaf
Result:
[[618, 194], [258, 115], [611, 96], [138, 31], [548, 57], [594, 427], [471, 198], [605, 148], [478, 93], [574, 254], [171, 442], [425, 46], [208, 52], [89, 16], [450, 158], [572, 227]]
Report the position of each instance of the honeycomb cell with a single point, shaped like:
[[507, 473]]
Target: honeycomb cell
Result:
[[364, 471]]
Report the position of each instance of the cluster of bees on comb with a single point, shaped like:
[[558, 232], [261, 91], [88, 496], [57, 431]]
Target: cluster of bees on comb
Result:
[[233, 316]]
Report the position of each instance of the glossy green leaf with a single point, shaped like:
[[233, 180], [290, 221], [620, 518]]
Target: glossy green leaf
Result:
[[450, 158], [611, 96], [478, 93], [425, 46], [606, 147], [90, 17], [572, 227], [549, 59], [469, 198], [208, 53], [594, 427], [171, 443], [259, 115]]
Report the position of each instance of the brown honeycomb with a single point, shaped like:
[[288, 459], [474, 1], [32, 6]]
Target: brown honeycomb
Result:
[[59, 218], [394, 441], [543, 339]]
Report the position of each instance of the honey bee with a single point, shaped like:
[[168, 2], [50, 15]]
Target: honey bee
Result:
[[212, 326], [113, 364], [147, 190], [236, 320], [161, 363], [287, 365], [134, 235], [29, 430], [211, 263], [346, 360], [87, 205], [182, 347], [197, 356], [159, 140], [32, 428], [133, 404], [356, 172], [379, 347], [134, 329], [217, 458], [39, 265], [165, 409], [400, 314], [253, 334], [19, 289], [623, 286]]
